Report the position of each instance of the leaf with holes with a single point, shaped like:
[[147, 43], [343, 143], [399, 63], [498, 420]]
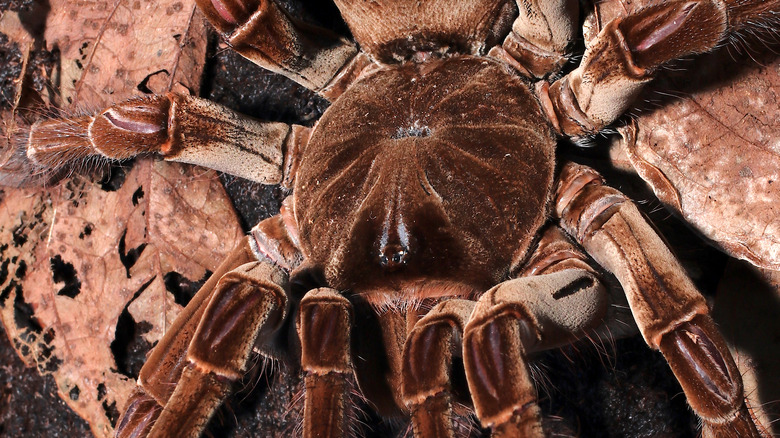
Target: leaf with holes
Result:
[[85, 264], [112, 47], [84, 258]]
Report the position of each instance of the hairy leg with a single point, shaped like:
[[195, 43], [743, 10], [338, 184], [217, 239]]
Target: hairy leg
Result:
[[324, 328], [540, 36], [164, 365], [671, 313], [512, 320], [559, 301], [263, 33], [629, 50], [179, 128], [225, 295]]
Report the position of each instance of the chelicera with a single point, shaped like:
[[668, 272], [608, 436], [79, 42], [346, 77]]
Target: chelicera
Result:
[[428, 196]]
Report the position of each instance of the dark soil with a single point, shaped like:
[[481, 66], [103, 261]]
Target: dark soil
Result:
[[16, 5], [29, 404]]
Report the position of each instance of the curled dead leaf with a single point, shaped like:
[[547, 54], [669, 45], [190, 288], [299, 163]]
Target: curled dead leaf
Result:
[[713, 154]]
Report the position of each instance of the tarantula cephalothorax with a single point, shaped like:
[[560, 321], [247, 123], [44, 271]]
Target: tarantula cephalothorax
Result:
[[426, 191]]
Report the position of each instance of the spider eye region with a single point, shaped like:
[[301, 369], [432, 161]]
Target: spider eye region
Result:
[[415, 129], [395, 241], [393, 257]]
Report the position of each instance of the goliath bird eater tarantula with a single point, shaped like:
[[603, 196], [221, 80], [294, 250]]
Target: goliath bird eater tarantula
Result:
[[429, 195]]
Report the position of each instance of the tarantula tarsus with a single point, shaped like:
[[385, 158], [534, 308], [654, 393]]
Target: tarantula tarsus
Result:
[[428, 195]]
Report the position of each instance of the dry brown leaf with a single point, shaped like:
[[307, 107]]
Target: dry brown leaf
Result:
[[76, 256], [111, 47], [82, 256], [714, 155], [12, 27]]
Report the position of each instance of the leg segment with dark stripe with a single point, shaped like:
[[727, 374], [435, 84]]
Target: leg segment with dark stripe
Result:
[[671, 313], [238, 309], [516, 318], [163, 368], [557, 300], [249, 305], [630, 50], [324, 327]]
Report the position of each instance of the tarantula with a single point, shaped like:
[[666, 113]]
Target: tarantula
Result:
[[427, 196]]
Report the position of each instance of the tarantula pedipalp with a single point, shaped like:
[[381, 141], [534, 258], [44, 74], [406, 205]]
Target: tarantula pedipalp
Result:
[[426, 183]]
